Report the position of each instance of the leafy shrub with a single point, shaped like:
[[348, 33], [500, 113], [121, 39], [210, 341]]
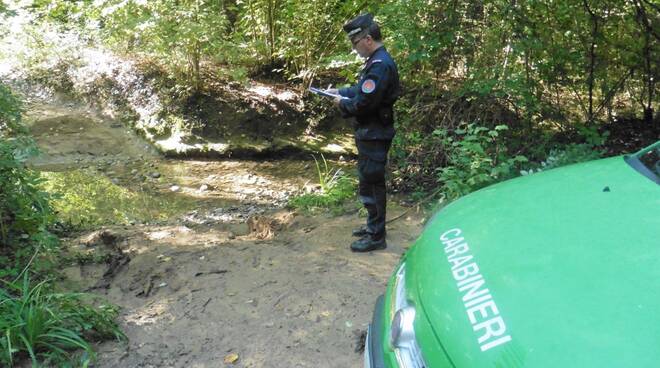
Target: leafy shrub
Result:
[[416, 152], [476, 159], [47, 326], [10, 113], [570, 154], [592, 137], [24, 209]]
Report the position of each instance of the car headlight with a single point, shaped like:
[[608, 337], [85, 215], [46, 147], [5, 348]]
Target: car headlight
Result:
[[402, 330]]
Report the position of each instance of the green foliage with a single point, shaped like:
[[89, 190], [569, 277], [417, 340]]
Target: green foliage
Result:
[[560, 61], [416, 152], [477, 158], [332, 200], [592, 136], [25, 210], [570, 154], [305, 35], [65, 12], [335, 189], [327, 179], [10, 113], [49, 326], [421, 32], [180, 35]]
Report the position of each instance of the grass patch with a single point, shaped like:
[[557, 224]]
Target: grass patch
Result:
[[333, 199], [85, 199], [334, 190], [51, 328]]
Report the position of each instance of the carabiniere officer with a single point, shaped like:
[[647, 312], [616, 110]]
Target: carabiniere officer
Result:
[[370, 102]]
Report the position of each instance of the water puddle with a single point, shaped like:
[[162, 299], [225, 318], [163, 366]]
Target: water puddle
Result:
[[85, 198]]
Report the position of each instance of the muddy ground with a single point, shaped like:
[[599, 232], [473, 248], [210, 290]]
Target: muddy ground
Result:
[[235, 279]]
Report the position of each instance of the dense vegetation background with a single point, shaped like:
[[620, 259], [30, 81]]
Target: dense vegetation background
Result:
[[492, 89], [489, 85]]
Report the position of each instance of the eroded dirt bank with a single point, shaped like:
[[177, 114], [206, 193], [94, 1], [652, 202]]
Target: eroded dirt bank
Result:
[[232, 274]]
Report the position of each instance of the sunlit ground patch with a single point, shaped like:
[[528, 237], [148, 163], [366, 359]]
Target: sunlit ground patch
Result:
[[88, 199], [150, 314]]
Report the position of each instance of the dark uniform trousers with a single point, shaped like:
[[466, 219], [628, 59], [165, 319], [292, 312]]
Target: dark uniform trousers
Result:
[[372, 160]]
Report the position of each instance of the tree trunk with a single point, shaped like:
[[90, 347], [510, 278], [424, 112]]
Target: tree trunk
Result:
[[196, 55], [592, 61], [648, 109], [647, 29], [197, 79], [231, 12], [270, 15]]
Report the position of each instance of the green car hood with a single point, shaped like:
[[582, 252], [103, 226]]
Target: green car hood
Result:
[[569, 259]]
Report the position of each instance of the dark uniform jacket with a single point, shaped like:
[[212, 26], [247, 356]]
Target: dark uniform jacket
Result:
[[370, 100]]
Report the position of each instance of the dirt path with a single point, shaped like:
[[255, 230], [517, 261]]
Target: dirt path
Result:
[[238, 274]]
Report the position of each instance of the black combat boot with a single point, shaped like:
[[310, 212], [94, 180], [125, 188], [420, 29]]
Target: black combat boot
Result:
[[367, 244], [361, 231]]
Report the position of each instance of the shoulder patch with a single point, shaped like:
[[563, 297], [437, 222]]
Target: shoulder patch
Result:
[[368, 86]]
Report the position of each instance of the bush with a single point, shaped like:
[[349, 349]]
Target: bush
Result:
[[10, 113], [25, 211], [570, 154], [476, 159]]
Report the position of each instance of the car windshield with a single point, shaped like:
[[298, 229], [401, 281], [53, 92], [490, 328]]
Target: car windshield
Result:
[[647, 162], [651, 160]]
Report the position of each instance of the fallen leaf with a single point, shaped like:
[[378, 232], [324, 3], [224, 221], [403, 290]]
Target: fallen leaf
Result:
[[231, 358]]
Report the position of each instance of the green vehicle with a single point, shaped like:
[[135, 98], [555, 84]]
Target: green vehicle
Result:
[[556, 269]]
